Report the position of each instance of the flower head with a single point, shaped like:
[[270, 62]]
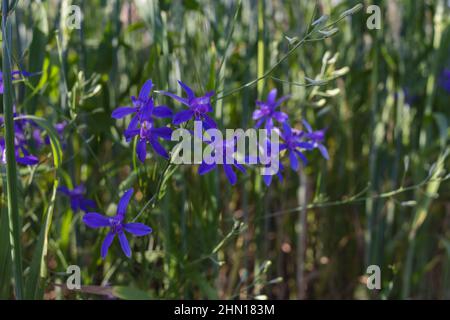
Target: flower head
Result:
[[223, 150], [294, 146], [77, 199], [117, 226], [148, 134], [143, 101], [199, 107], [316, 138], [267, 111]]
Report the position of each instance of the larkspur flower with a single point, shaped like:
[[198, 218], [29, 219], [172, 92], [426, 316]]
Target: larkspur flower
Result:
[[22, 154], [15, 75], [117, 226], [148, 134], [199, 107], [142, 101], [222, 148], [77, 199], [444, 80], [293, 146], [267, 111], [316, 138]]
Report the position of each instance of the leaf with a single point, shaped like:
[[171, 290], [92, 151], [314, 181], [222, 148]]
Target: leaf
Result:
[[33, 288], [5, 255]]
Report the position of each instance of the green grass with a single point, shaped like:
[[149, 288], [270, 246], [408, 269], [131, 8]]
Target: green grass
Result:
[[382, 198]]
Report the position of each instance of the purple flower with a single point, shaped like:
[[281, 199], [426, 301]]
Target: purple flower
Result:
[[268, 178], [77, 199], [294, 146], [444, 80], [198, 107], [143, 100], [117, 226], [221, 150], [23, 156], [148, 134], [267, 111], [316, 138], [15, 75]]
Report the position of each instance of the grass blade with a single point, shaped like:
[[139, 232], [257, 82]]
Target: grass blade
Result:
[[11, 170]]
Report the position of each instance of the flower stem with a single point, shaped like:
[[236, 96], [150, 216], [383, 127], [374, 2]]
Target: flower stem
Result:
[[11, 170]]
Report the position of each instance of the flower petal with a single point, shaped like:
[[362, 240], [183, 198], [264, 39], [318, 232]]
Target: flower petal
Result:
[[186, 89], [133, 125], [124, 244], [232, 178], [130, 134], [257, 114], [174, 96], [205, 168], [183, 116], [141, 150], [272, 96], [307, 126], [85, 204], [122, 112], [75, 204], [323, 151], [280, 101], [259, 123], [27, 160], [287, 131], [123, 202], [163, 132], [159, 148], [294, 161], [106, 244], [280, 116], [64, 190], [267, 180], [138, 229], [145, 90], [162, 112], [302, 156], [208, 122], [95, 220]]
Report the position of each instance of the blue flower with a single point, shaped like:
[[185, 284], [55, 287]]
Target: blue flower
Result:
[[294, 146], [221, 149], [148, 134], [144, 100], [199, 107], [316, 138], [117, 226], [267, 111], [77, 199]]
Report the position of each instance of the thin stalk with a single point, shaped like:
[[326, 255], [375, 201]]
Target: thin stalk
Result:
[[11, 170]]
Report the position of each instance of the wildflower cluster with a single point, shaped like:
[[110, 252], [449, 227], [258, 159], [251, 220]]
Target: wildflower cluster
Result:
[[295, 142], [148, 134]]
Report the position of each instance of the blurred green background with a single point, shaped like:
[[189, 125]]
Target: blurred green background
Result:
[[381, 199]]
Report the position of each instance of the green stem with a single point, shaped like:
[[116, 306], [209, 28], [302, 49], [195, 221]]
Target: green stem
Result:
[[11, 170]]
